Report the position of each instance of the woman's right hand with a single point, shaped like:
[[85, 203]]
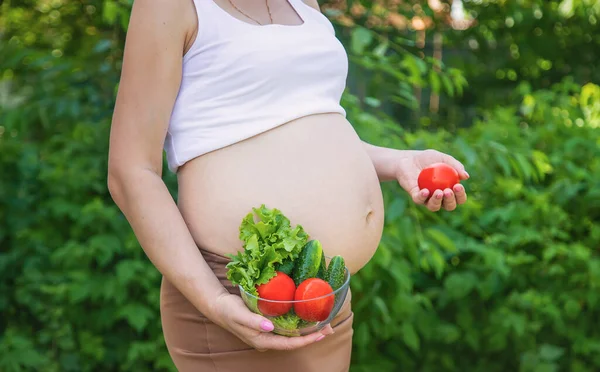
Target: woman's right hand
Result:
[[230, 312]]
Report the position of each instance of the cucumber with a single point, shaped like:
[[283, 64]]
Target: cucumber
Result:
[[322, 268], [287, 266], [308, 262], [336, 271]]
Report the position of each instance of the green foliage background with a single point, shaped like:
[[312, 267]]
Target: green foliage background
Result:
[[509, 282]]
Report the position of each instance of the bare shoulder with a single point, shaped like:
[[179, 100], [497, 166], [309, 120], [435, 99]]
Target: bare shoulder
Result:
[[172, 16], [313, 4]]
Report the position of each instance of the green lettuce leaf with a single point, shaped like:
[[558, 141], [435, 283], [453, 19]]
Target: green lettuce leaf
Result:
[[287, 321], [267, 242]]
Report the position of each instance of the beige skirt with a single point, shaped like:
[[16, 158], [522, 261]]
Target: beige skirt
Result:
[[196, 344]]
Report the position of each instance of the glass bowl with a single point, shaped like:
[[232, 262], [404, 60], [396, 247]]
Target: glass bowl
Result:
[[290, 324]]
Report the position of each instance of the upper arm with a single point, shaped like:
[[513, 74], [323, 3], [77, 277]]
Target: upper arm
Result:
[[312, 4], [150, 80]]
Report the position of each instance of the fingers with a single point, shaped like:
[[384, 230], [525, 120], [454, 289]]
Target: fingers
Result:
[[460, 168], [448, 199], [327, 330], [419, 196], [251, 320], [451, 161], [460, 193], [274, 342], [449, 202], [435, 202], [256, 330]]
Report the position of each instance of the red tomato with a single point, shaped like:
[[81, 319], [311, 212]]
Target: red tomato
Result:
[[438, 176], [280, 288], [315, 310]]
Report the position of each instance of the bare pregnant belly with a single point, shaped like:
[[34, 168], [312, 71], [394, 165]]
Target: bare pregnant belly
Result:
[[315, 170]]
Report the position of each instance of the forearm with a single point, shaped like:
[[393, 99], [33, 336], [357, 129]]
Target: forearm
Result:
[[385, 161], [159, 227]]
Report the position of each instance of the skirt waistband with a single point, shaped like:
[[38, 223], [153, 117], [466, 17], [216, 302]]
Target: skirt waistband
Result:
[[217, 264]]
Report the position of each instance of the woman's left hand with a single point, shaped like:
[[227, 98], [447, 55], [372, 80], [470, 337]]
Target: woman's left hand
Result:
[[413, 162]]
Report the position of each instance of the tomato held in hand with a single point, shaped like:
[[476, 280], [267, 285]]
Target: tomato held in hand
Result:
[[318, 309], [438, 176], [280, 288]]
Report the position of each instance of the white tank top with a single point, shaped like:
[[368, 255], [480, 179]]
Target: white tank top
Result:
[[241, 79]]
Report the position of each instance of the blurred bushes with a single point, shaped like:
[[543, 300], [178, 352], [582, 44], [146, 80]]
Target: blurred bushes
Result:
[[78, 294], [508, 282]]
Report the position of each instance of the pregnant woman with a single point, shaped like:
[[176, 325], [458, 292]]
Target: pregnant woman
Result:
[[244, 97]]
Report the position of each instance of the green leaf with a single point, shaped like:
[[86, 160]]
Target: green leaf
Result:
[[381, 49], [546, 367], [503, 161], [448, 333], [361, 38], [137, 315], [410, 337], [110, 11], [424, 263], [381, 306], [521, 258], [363, 336], [373, 102], [396, 209], [127, 270], [414, 67], [448, 86], [437, 263], [572, 308], [459, 285], [441, 239], [287, 321], [550, 353], [267, 241]]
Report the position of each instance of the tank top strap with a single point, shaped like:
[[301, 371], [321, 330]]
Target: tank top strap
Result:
[[311, 15], [301, 9], [204, 15], [213, 21], [200, 6]]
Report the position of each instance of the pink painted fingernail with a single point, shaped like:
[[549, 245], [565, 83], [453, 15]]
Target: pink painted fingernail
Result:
[[320, 338], [267, 326], [467, 174], [439, 195], [424, 193]]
